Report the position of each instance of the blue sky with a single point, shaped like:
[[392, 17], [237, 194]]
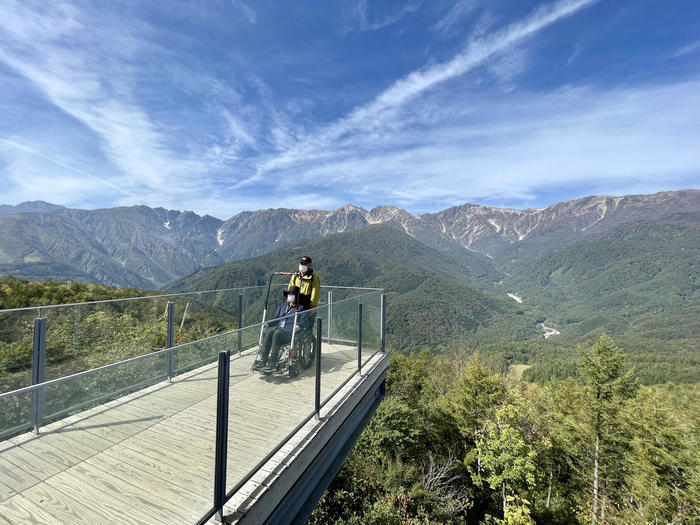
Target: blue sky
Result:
[[220, 106]]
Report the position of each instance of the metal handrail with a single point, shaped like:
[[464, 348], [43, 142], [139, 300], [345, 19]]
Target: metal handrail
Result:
[[164, 295], [123, 299]]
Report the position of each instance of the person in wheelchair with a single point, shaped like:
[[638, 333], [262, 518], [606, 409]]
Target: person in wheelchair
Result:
[[278, 331]]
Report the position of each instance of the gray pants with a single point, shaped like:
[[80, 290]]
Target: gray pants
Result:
[[273, 339]]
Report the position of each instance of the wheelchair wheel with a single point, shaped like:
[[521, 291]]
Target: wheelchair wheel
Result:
[[308, 351]]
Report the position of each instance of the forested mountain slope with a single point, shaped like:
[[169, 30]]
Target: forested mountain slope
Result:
[[620, 277], [432, 296]]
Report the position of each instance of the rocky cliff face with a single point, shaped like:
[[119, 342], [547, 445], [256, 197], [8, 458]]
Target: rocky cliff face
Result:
[[145, 247]]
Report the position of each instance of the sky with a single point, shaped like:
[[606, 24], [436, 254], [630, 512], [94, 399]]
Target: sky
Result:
[[220, 106]]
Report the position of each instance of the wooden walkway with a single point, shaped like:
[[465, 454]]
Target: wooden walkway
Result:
[[149, 457]]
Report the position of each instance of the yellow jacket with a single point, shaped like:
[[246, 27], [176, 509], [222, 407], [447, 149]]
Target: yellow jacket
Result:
[[309, 288]]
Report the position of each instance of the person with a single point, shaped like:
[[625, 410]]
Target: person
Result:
[[278, 332], [308, 282]]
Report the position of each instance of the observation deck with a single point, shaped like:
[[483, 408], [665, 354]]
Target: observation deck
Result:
[[187, 433]]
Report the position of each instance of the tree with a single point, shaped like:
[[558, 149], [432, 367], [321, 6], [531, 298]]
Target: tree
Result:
[[507, 461], [607, 390]]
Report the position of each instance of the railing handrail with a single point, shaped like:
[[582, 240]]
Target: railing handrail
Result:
[[32, 388], [163, 295]]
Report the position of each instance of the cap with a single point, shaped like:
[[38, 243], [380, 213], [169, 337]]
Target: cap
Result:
[[305, 260]]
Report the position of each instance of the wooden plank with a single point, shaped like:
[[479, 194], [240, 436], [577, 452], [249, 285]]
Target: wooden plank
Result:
[[41, 462], [176, 457], [195, 466], [178, 428], [177, 497], [19, 509], [62, 508], [183, 476], [14, 478], [65, 445], [114, 496]]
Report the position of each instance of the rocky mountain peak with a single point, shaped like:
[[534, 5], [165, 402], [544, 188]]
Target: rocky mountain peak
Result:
[[139, 245]]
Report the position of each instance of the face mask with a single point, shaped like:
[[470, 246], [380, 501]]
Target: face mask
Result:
[[303, 269], [291, 298]]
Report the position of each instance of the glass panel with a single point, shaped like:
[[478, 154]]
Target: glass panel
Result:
[[102, 385], [339, 357], [267, 406], [16, 343], [371, 324], [190, 356], [15, 414], [130, 450]]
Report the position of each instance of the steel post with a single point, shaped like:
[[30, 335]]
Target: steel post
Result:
[[330, 316], [383, 322], [240, 323], [317, 397], [359, 338], [38, 371], [170, 341], [222, 401]]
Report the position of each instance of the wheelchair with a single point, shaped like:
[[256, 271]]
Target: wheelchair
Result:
[[294, 359], [295, 356]]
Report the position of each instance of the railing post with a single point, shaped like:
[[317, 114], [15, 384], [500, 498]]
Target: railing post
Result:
[[383, 321], [240, 323], [317, 397], [222, 399], [359, 338], [330, 316], [38, 371], [171, 321]]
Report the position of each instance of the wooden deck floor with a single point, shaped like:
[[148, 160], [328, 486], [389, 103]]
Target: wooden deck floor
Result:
[[149, 457]]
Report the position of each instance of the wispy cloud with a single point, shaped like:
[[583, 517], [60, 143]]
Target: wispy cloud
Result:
[[245, 10], [516, 149], [358, 17], [450, 23], [121, 106], [92, 77], [100, 180], [372, 117], [688, 49]]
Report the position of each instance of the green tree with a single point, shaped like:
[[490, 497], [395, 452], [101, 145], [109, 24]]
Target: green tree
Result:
[[607, 389], [506, 460]]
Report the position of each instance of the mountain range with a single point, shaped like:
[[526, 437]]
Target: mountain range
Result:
[[476, 277], [147, 247]]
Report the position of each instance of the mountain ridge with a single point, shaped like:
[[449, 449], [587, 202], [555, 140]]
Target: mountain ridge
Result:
[[142, 246]]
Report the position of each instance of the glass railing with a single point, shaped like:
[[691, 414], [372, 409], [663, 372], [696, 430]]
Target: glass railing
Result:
[[128, 452], [105, 336], [84, 336], [276, 401], [149, 407]]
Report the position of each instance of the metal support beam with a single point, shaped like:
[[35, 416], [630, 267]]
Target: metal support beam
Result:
[[38, 371], [317, 396], [222, 399], [170, 341], [240, 323], [383, 321], [330, 316], [359, 338]]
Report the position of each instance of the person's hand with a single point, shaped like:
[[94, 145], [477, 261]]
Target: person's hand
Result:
[[297, 328], [265, 325]]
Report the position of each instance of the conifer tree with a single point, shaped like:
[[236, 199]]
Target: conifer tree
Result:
[[607, 389]]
